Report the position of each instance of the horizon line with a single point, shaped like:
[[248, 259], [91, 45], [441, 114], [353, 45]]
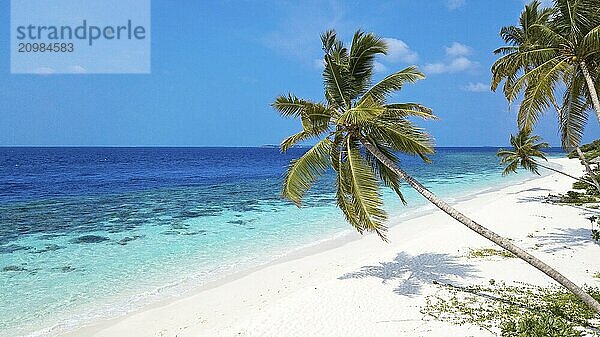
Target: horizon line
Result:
[[266, 146]]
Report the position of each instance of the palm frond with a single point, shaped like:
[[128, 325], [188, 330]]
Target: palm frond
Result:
[[590, 45], [344, 196], [365, 47], [573, 114], [544, 64], [509, 159], [540, 92], [294, 139], [384, 173], [403, 110], [393, 83], [291, 106], [506, 50], [402, 136], [303, 172], [367, 111], [288, 106], [336, 74], [365, 192]]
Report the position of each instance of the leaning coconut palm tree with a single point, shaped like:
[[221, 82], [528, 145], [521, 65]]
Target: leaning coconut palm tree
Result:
[[526, 148], [521, 56], [358, 133]]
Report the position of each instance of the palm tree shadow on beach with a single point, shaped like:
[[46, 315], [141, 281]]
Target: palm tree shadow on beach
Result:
[[533, 189], [414, 271], [566, 238], [538, 198]]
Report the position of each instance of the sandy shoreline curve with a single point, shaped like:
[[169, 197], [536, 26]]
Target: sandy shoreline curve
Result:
[[360, 286]]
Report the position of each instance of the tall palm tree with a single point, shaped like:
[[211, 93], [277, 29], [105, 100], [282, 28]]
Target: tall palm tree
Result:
[[564, 46], [528, 66], [358, 131], [518, 60], [526, 148]]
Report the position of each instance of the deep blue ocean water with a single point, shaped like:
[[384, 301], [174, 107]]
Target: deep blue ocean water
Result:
[[92, 233]]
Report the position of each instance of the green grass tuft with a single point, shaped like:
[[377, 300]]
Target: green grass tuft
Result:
[[487, 252]]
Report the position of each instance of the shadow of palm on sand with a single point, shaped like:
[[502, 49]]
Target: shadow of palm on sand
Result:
[[414, 271], [566, 238]]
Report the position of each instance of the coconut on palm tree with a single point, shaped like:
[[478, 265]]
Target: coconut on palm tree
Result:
[[537, 59], [526, 148], [357, 133]]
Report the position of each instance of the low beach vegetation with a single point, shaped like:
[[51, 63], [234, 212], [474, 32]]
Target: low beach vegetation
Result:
[[487, 252], [523, 310]]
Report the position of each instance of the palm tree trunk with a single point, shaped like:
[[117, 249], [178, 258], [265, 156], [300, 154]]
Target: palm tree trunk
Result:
[[588, 168], [591, 88], [563, 173], [486, 233]]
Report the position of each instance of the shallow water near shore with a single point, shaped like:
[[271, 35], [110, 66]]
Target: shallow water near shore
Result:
[[92, 233]]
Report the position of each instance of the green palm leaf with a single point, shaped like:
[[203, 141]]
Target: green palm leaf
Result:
[[365, 192], [289, 106], [393, 83], [344, 197], [404, 137], [573, 114], [540, 92], [591, 42], [294, 139], [403, 110], [336, 75], [365, 47], [384, 173], [367, 111], [303, 171]]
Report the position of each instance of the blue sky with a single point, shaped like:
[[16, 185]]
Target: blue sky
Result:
[[217, 65]]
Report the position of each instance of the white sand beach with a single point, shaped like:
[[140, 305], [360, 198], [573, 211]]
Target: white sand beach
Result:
[[366, 287]]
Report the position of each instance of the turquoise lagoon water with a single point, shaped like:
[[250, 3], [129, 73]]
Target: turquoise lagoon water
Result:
[[92, 233]]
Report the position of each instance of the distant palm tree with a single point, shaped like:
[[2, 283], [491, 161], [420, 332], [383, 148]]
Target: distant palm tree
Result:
[[534, 62], [524, 153], [358, 134]]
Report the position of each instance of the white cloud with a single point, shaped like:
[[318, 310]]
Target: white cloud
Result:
[[434, 68], [379, 67], [44, 71], [460, 64], [458, 49], [454, 66], [457, 60], [399, 51], [454, 4], [77, 70], [476, 87]]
